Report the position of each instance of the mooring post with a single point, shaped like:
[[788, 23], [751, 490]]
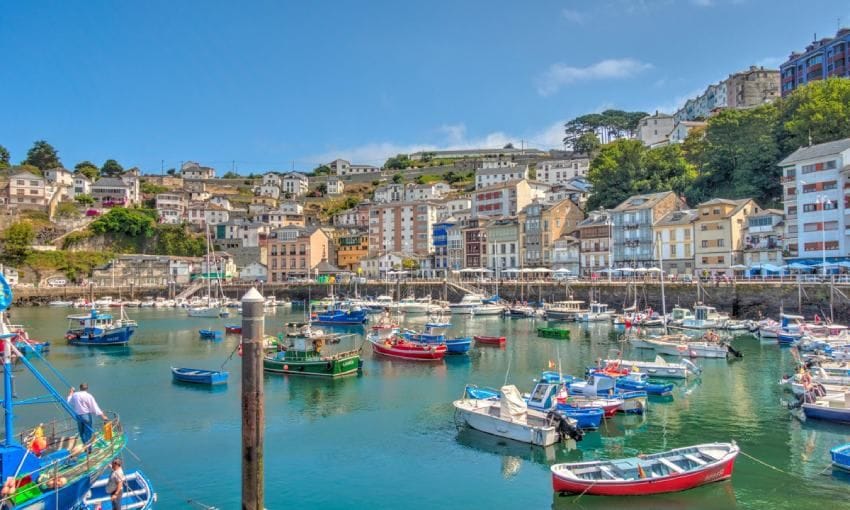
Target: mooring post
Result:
[[253, 411]]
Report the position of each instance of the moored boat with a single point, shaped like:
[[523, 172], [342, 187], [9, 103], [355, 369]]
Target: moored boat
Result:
[[489, 340], [400, 348], [564, 310], [829, 408], [138, 493], [550, 332], [671, 471], [209, 334], [659, 368], [840, 456], [302, 351], [199, 376], [340, 317], [99, 329], [233, 329]]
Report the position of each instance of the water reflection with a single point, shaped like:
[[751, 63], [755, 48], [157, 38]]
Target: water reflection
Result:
[[718, 496], [512, 452]]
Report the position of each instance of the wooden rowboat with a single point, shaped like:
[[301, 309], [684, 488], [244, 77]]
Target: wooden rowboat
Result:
[[399, 348], [199, 376], [672, 471], [547, 332], [490, 340], [233, 329]]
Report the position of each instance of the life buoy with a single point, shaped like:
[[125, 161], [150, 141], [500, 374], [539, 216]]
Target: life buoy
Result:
[[239, 349]]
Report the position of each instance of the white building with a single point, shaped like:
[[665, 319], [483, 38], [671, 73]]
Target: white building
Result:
[[682, 128], [559, 171], [295, 184], [816, 197], [61, 179], [133, 188], [254, 272], [380, 265], [221, 201], [193, 170], [491, 176], [28, 191], [566, 254], [451, 206], [82, 185], [389, 193], [342, 167], [290, 207], [654, 130], [405, 227], [203, 214], [431, 191], [335, 186], [271, 179], [269, 190]]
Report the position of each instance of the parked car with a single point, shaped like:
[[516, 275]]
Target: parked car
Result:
[[92, 212]]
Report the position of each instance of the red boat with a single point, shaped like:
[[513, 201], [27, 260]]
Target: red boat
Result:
[[233, 329], [399, 348], [609, 406], [672, 471], [490, 340]]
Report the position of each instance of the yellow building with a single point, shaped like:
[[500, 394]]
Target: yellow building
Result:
[[719, 233], [673, 237], [351, 247]]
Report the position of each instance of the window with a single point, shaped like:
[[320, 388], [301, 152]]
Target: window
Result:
[[705, 243], [719, 243]]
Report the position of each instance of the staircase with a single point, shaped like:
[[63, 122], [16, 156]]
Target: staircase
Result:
[[191, 289]]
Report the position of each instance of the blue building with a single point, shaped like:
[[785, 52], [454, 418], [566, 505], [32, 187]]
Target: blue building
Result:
[[822, 59], [440, 238]]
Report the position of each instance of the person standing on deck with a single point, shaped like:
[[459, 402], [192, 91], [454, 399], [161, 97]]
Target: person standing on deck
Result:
[[115, 485], [85, 407]]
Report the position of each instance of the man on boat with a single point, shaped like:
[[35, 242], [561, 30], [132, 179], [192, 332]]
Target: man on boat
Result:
[[85, 407], [115, 486]]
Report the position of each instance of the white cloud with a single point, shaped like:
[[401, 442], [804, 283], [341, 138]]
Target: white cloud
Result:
[[454, 138], [559, 75], [573, 15]]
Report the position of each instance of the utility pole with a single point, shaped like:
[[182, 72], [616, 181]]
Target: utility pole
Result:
[[253, 410]]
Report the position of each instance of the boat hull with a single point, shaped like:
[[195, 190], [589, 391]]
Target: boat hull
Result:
[[413, 353], [490, 340], [821, 412], [840, 456], [193, 376], [669, 371], [138, 493], [711, 472], [331, 368], [465, 413], [117, 336]]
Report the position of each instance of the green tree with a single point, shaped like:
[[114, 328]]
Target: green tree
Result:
[[626, 167], [231, 175], [43, 156], [67, 210], [398, 178], [398, 162], [607, 125], [84, 199], [17, 243], [410, 264], [4, 157], [322, 189], [171, 171], [322, 170], [737, 156], [818, 111], [89, 169], [111, 168], [587, 143], [130, 222]]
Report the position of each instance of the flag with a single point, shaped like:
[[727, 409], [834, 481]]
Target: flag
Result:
[[641, 473], [551, 365]]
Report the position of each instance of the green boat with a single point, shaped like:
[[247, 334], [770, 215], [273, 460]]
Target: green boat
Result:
[[548, 332], [301, 353]]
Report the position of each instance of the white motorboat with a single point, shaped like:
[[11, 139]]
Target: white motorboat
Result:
[[270, 302], [467, 305], [598, 312], [60, 302], [705, 317], [103, 302], [564, 310], [510, 417], [134, 303], [658, 368], [682, 345], [488, 309], [679, 315], [417, 306]]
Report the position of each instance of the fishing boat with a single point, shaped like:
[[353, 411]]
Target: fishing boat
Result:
[[679, 315], [302, 351], [564, 310], [337, 315], [489, 340], [521, 312], [46, 466], [99, 329], [599, 385], [598, 312], [511, 418], [396, 347], [552, 332], [458, 345], [233, 329], [467, 305], [682, 345], [705, 317], [671, 471], [659, 368], [829, 408], [418, 306], [544, 397], [488, 310], [566, 402], [209, 334], [199, 376], [138, 493], [841, 456]]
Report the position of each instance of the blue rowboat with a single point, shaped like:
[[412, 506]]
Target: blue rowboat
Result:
[[210, 334], [199, 376], [341, 317], [459, 345], [828, 409], [585, 417], [138, 493], [841, 456]]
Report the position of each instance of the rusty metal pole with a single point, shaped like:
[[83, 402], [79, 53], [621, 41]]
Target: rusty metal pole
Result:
[[253, 410]]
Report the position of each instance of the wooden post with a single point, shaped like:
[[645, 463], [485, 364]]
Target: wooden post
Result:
[[253, 411]]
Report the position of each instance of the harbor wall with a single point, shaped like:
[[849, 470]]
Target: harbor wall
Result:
[[749, 300]]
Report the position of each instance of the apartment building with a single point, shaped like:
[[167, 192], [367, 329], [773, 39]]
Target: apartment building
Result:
[[357, 216], [764, 239], [28, 191], [504, 199], [719, 232], [817, 202], [674, 242], [499, 175], [745, 89], [352, 245], [475, 243], [404, 227], [654, 130], [633, 237], [449, 207], [171, 207], [594, 234], [193, 170], [821, 59], [393, 192], [541, 224], [294, 184], [295, 251], [504, 250], [559, 171], [566, 254]]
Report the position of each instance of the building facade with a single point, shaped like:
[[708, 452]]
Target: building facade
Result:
[[817, 200], [295, 184], [475, 243], [821, 59], [674, 240], [351, 247], [764, 239], [594, 234], [655, 129], [719, 232], [193, 170], [633, 237], [499, 175], [28, 191], [295, 251], [404, 227], [560, 171], [541, 224], [503, 246], [505, 199]]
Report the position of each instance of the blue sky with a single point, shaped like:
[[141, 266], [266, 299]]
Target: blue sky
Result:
[[274, 84]]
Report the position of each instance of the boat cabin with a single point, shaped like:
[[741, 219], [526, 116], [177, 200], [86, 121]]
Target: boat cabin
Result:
[[543, 396], [598, 308], [705, 313], [94, 320], [567, 306], [679, 314]]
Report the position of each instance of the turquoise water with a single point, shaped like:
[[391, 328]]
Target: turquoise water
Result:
[[387, 439]]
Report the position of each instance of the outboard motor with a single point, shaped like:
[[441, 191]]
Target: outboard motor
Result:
[[564, 427]]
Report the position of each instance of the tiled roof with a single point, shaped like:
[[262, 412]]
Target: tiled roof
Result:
[[816, 151]]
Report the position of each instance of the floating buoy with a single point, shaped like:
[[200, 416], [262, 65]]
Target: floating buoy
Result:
[[286, 367]]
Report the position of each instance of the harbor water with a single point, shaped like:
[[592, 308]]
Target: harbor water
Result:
[[388, 438]]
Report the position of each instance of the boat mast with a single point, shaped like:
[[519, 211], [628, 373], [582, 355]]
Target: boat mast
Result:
[[209, 290], [7, 386], [661, 275]]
